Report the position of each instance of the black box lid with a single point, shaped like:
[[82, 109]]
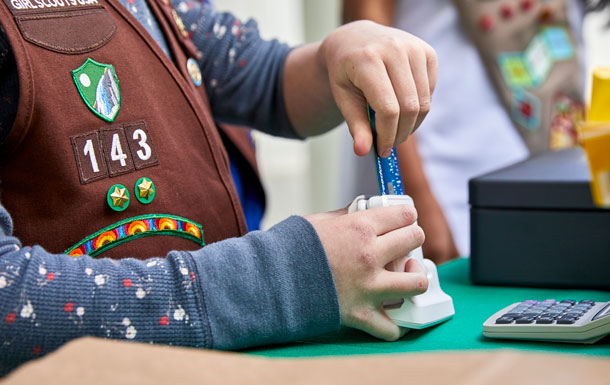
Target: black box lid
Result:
[[553, 180]]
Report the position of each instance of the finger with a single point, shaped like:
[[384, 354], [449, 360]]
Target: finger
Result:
[[419, 68], [352, 105], [431, 66], [374, 83], [378, 324], [391, 284], [414, 266], [386, 219], [407, 85], [398, 243], [432, 71]]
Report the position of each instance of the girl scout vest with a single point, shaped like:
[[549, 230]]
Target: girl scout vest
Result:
[[114, 152], [529, 52]]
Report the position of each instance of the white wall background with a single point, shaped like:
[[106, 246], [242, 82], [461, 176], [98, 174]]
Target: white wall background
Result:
[[299, 177], [304, 177]]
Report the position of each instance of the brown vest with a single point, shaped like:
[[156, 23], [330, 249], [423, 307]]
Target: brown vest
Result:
[[62, 161], [530, 55]]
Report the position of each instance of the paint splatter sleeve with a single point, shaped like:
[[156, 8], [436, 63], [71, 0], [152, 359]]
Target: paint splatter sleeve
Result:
[[267, 287], [241, 71]]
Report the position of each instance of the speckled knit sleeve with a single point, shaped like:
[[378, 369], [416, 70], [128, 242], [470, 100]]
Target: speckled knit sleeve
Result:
[[266, 287], [242, 72]]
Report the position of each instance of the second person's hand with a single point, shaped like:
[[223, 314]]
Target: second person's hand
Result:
[[394, 71]]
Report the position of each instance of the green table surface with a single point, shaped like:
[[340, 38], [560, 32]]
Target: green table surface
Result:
[[473, 305]]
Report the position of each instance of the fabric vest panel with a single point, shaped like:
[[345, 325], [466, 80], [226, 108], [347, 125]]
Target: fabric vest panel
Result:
[[44, 160]]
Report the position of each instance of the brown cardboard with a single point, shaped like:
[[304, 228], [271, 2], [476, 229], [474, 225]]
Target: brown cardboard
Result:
[[94, 361]]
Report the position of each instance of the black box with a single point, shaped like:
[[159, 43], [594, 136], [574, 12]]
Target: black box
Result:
[[534, 224]]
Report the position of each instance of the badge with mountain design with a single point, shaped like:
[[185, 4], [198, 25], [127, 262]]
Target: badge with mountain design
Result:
[[98, 85]]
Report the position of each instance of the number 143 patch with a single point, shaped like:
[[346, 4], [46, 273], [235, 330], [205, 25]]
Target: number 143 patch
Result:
[[113, 150]]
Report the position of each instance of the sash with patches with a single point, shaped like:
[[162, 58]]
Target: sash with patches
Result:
[[530, 55]]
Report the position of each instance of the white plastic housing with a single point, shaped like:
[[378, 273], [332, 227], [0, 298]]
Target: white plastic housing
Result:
[[420, 311]]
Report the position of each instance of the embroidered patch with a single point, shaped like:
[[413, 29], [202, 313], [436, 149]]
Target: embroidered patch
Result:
[[140, 144], [526, 109], [89, 157], [98, 85], [514, 70], [113, 150], [538, 59], [568, 113], [39, 5], [116, 150], [558, 42], [137, 227]]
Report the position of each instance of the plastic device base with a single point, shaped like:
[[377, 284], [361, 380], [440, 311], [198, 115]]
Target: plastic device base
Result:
[[420, 311]]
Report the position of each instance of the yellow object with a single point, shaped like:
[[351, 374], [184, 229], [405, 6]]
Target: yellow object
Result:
[[145, 188], [596, 143], [595, 137], [600, 96], [119, 197]]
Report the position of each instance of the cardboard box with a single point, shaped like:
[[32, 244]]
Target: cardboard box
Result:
[[96, 362]]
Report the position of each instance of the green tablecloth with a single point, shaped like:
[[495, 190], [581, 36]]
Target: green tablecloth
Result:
[[473, 305]]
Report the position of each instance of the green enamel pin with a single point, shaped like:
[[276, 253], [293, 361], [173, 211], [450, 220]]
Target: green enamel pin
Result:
[[98, 85]]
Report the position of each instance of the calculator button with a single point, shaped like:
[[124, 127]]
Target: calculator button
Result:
[[536, 308], [573, 315], [581, 308], [545, 320], [587, 301], [570, 301], [549, 301], [530, 302], [504, 320], [525, 320], [566, 320], [532, 314], [513, 315], [549, 315], [554, 311]]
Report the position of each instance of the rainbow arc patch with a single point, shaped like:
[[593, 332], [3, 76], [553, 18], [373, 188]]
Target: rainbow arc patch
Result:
[[137, 227]]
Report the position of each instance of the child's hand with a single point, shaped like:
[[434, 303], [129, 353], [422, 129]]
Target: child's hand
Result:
[[358, 246], [391, 69]]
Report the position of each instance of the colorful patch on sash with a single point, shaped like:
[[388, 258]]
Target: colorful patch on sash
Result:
[[558, 42], [531, 67], [526, 109], [538, 59], [137, 227], [98, 85], [568, 113], [514, 70]]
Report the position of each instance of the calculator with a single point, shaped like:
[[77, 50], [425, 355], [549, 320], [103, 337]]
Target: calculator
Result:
[[567, 320]]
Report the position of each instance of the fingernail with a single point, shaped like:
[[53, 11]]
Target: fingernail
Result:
[[386, 153]]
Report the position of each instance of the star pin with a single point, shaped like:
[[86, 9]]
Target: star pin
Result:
[[118, 197], [145, 190]]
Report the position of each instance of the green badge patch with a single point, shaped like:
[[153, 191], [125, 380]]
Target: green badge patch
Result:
[[98, 84]]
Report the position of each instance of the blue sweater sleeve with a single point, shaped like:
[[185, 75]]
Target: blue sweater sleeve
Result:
[[266, 287], [242, 72]]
